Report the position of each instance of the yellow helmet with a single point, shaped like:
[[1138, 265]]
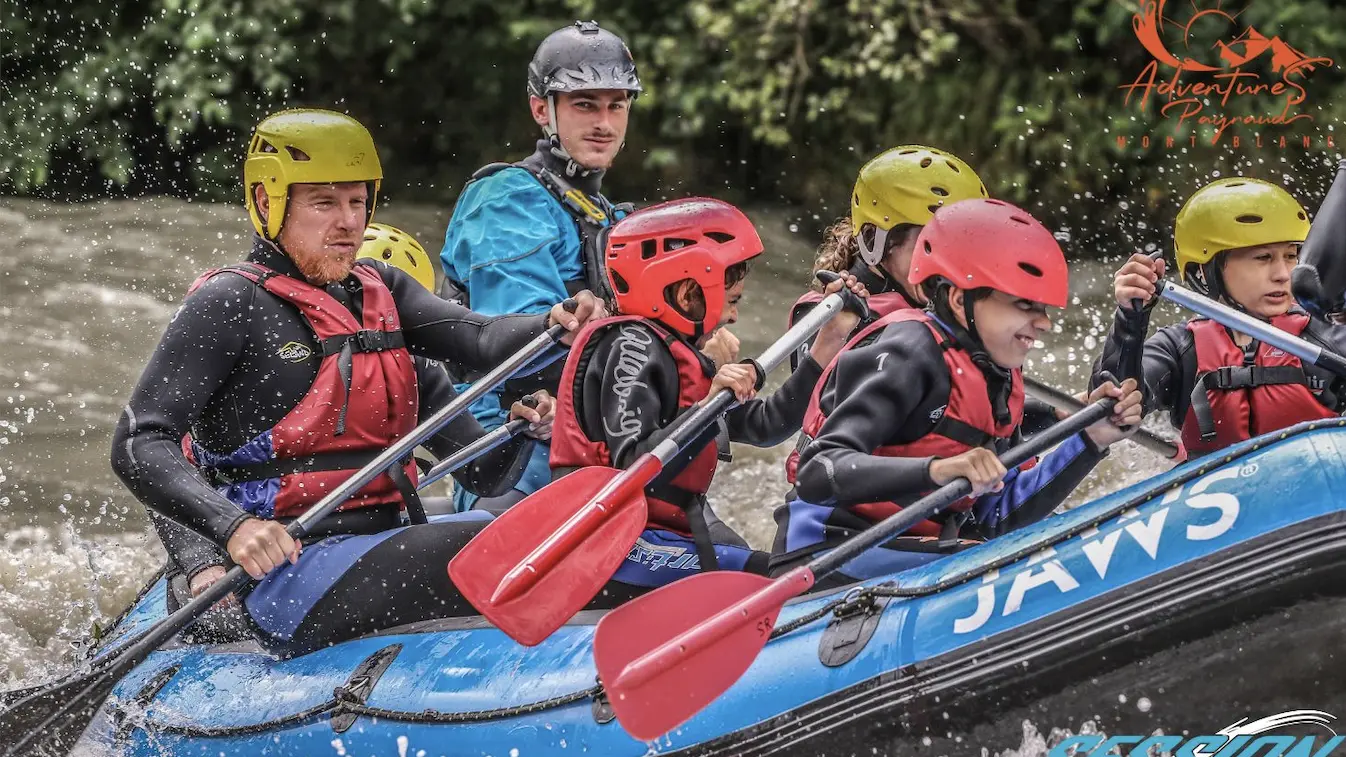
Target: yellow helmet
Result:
[[396, 248], [307, 146], [906, 185], [1233, 213]]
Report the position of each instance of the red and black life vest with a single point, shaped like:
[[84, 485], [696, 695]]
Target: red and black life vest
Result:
[[1236, 399], [571, 448], [967, 421], [363, 399]]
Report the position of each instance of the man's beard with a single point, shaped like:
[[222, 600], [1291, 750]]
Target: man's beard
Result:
[[323, 268]]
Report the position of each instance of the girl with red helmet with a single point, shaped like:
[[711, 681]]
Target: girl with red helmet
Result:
[[677, 271], [923, 397]]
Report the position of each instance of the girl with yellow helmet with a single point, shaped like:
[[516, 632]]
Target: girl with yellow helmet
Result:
[[1235, 240], [895, 195]]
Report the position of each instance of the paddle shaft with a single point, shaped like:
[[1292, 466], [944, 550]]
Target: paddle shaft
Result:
[[471, 452], [1247, 324], [236, 578], [759, 607], [632, 481], [1062, 401]]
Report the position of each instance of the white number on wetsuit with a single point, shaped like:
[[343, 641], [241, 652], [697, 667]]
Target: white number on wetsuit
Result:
[[881, 357]]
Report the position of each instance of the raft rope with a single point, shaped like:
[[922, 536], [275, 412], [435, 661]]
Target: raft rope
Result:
[[344, 701]]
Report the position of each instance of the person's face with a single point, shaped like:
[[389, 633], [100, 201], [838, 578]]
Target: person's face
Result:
[[590, 124], [1258, 278], [897, 260], [690, 300], [1008, 326], [323, 228]]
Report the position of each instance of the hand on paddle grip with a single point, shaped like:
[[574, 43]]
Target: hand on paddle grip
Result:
[[539, 409], [832, 337], [575, 312], [261, 546], [979, 466], [1135, 283], [1126, 414], [739, 378]]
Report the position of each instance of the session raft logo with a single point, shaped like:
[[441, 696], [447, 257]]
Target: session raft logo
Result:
[[1241, 739], [1210, 73]]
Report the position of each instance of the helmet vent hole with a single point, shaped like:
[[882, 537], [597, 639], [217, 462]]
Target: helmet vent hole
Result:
[[983, 190], [928, 248], [941, 191], [998, 202], [297, 154], [1302, 216], [265, 146], [648, 249], [671, 243], [1235, 184], [387, 253], [616, 248], [934, 207], [1249, 218], [907, 152], [720, 236], [1031, 269], [856, 198], [619, 283], [411, 260], [925, 162], [954, 166], [1022, 220]]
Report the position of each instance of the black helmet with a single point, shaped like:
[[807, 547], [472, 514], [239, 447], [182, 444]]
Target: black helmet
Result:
[[579, 57]]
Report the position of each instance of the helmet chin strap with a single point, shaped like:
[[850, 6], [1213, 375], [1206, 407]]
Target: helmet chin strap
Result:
[[572, 169]]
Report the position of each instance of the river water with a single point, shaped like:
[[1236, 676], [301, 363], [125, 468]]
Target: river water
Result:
[[84, 295]]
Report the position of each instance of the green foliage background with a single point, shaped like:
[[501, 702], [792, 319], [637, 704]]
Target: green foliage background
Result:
[[766, 101]]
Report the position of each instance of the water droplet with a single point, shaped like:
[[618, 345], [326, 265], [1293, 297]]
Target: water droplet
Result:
[[1143, 704]]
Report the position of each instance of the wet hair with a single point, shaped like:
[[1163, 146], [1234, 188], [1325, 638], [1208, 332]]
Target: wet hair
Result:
[[732, 275]]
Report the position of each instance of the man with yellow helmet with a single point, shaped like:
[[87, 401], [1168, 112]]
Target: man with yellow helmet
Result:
[[292, 370], [1235, 240]]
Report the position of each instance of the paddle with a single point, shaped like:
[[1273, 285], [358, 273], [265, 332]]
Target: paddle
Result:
[[50, 721], [664, 656], [541, 561], [1062, 401], [1246, 324], [476, 449]]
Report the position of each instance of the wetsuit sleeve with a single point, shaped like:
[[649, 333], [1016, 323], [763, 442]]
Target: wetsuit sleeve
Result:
[[880, 387], [512, 244], [443, 330], [490, 475], [1033, 494], [638, 402], [1160, 362], [770, 421], [190, 552], [194, 358]]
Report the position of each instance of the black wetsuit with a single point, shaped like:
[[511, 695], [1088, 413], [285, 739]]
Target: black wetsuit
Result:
[[891, 391], [627, 397], [219, 374]]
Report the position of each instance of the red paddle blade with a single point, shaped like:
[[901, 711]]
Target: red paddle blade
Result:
[[675, 685], [555, 593]]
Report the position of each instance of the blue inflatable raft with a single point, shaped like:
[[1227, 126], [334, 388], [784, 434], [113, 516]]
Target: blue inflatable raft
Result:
[[1201, 548]]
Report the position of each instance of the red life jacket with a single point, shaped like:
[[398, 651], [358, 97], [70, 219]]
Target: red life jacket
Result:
[[571, 448], [968, 420], [1234, 400], [363, 399]]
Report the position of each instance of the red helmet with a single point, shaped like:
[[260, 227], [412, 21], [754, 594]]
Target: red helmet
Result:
[[695, 238], [990, 243]]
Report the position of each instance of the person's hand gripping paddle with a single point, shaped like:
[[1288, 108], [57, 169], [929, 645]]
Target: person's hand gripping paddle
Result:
[[545, 558], [50, 719], [664, 656]]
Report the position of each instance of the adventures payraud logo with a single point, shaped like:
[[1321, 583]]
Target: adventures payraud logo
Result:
[[1241, 739], [1208, 70]]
